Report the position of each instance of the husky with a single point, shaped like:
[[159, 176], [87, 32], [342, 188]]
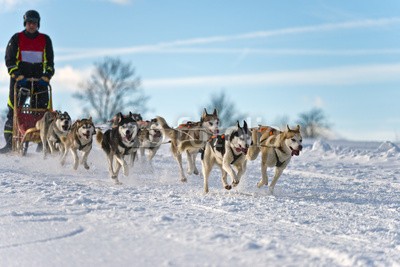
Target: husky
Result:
[[80, 137], [258, 135], [150, 139], [53, 126], [277, 149], [118, 142], [192, 132], [228, 152]]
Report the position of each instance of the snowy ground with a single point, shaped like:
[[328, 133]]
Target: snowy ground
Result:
[[338, 204]]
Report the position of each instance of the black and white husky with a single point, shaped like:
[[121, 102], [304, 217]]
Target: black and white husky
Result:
[[228, 152], [119, 141]]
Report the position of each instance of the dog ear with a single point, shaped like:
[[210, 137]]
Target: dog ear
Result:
[[288, 129], [245, 126], [118, 117], [215, 113], [204, 114], [238, 125]]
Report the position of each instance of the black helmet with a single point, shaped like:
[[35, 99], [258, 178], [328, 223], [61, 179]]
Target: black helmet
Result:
[[32, 16]]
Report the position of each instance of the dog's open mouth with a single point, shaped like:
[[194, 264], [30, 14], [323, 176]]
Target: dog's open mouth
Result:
[[295, 152], [86, 135], [241, 150], [128, 136], [157, 134], [65, 127]]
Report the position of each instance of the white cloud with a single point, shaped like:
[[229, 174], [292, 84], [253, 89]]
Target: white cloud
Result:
[[120, 2], [180, 46], [10, 5], [328, 76], [68, 79]]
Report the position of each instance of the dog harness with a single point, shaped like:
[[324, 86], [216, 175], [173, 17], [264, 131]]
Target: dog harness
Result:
[[83, 146], [263, 129], [235, 157], [220, 139], [278, 162], [126, 148]]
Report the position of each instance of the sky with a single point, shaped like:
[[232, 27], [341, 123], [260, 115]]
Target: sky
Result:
[[273, 59]]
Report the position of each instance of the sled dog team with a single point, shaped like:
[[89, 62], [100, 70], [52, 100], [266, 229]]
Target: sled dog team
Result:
[[130, 134]]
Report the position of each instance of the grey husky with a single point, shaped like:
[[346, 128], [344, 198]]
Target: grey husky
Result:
[[80, 138], [53, 126], [191, 132]]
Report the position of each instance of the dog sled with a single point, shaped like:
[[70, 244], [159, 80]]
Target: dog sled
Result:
[[26, 115]]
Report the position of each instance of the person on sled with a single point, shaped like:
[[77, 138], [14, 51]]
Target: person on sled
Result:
[[29, 54]]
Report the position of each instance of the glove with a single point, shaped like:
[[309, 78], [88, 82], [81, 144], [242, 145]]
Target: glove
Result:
[[15, 74], [44, 81], [21, 81]]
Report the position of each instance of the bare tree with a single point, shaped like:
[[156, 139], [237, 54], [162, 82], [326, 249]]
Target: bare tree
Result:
[[227, 111], [313, 123], [112, 88]]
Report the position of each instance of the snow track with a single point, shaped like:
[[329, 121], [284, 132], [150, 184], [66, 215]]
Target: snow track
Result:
[[330, 208]]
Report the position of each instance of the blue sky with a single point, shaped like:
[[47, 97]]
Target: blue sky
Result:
[[272, 58]]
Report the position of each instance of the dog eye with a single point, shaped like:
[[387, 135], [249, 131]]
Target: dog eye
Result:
[[293, 140], [211, 124]]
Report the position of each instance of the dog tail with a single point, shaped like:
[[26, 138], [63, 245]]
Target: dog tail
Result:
[[99, 136], [165, 128], [191, 145]]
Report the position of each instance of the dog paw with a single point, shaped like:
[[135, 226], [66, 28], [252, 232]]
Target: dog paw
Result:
[[228, 187], [86, 166], [196, 172], [183, 180], [260, 184], [115, 179]]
